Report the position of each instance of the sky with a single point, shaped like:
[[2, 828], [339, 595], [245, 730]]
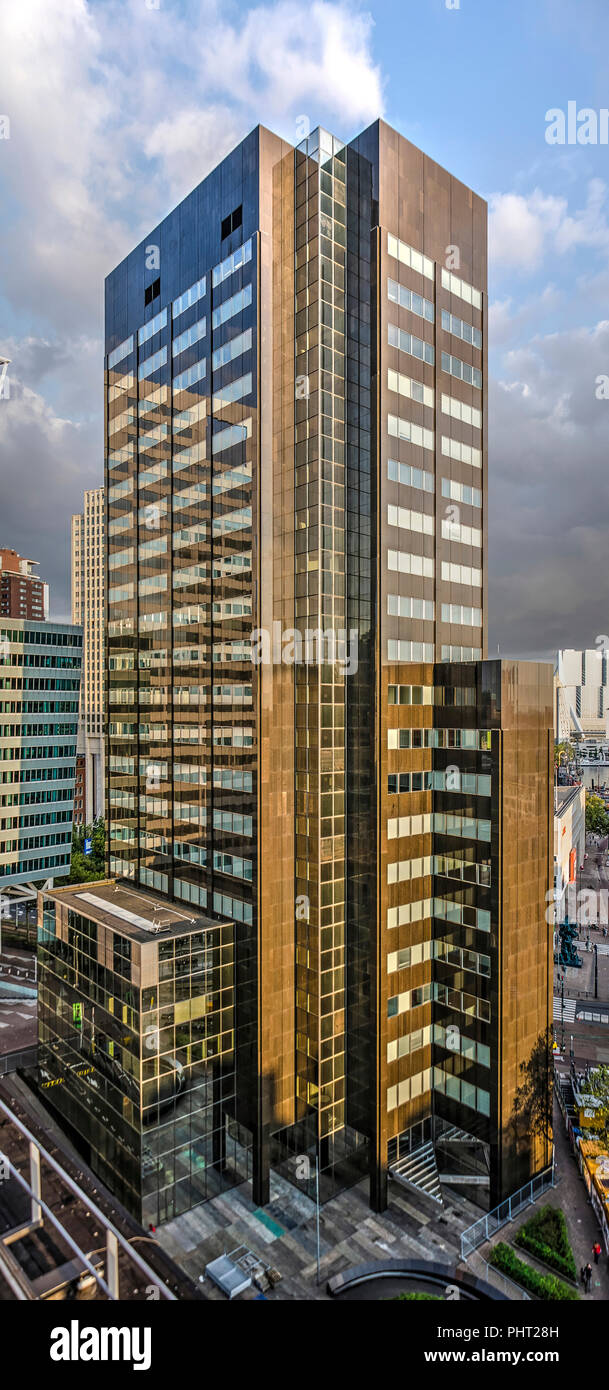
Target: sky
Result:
[[112, 110]]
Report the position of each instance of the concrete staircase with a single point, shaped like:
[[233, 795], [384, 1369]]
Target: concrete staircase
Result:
[[419, 1170]]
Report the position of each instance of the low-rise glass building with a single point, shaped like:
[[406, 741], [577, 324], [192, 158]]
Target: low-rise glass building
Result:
[[136, 1042]]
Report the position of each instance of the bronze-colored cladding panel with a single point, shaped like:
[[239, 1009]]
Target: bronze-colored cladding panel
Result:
[[427, 209], [526, 936], [275, 577]]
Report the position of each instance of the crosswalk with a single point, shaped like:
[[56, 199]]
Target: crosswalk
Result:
[[569, 1006], [591, 1016]]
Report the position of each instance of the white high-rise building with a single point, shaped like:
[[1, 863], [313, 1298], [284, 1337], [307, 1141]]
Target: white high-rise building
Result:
[[88, 612], [582, 693]]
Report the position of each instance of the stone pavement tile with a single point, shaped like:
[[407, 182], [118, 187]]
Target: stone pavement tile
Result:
[[350, 1233]]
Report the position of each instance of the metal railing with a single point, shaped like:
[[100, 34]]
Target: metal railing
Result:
[[22, 1057], [41, 1211], [497, 1279], [492, 1221]]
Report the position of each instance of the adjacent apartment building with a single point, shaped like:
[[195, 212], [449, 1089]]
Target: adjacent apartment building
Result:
[[40, 665], [305, 740], [88, 580], [22, 593]]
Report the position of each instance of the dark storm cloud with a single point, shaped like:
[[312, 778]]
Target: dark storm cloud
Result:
[[549, 496]]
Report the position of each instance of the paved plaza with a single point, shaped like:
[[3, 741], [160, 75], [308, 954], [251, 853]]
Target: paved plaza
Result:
[[283, 1234]]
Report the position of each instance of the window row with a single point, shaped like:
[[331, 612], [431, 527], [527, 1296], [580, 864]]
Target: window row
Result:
[[462, 1002], [450, 653], [466, 617], [123, 350], [413, 434], [460, 410], [409, 999], [410, 477], [407, 913], [148, 330], [454, 780], [408, 520], [460, 957], [398, 827], [407, 386], [399, 782], [401, 251], [189, 337], [454, 1040], [190, 296], [457, 1089], [463, 453], [408, 299], [460, 329], [408, 1043], [461, 492], [460, 287], [461, 574], [406, 342], [462, 370], [409, 1089], [409, 955], [152, 364], [400, 562], [402, 606], [462, 826], [410, 695], [464, 535], [398, 650], [403, 870]]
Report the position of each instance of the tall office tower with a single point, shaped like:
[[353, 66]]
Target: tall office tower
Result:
[[39, 685], [296, 503], [88, 529], [22, 593]]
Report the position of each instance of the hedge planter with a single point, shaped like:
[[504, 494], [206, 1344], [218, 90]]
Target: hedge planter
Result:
[[546, 1287], [546, 1237]]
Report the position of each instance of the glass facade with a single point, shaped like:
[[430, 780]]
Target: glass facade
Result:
[[136, 1044]]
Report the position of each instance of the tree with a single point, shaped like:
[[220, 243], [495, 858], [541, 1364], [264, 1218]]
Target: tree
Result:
[[532, 1108], [597, 819], [597, 1084], [85, 868], [564, 752]]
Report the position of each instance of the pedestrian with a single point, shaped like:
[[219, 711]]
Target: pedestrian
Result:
[[588, 1277], [596, 1251]]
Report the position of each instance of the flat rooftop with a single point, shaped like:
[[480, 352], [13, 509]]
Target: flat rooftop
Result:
[[564, 795], [132, 911]]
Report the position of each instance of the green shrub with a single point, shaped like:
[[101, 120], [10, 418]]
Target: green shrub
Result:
[[546, 1236], [546, 1287]]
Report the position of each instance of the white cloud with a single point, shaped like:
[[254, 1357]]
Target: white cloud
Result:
[[116, 112], [526, 230], [507, 319], [520, 226], [289, 54]]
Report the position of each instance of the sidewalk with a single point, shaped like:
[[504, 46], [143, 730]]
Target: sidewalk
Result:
[[571, 1197], [570, 1194]]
